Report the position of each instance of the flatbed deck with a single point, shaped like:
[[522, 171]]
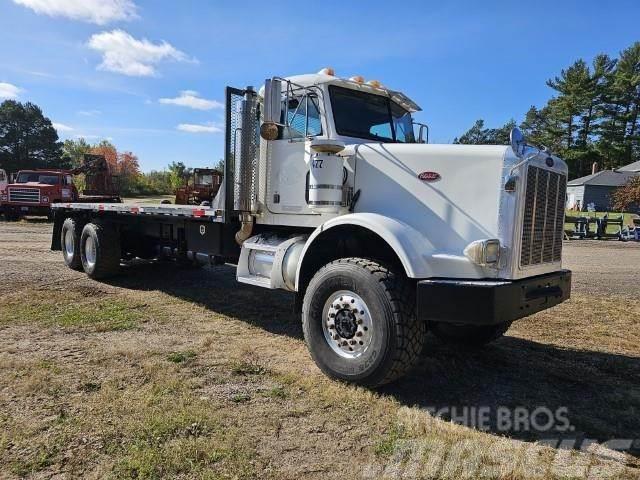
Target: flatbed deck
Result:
[[188, 211]]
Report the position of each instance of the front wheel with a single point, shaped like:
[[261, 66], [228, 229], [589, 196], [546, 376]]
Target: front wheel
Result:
[[359, 322]]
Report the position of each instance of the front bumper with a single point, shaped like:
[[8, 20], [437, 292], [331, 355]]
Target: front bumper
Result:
[[26, 209], [489, 302]]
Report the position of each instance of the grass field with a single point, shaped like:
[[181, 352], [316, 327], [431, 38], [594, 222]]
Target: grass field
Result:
[[175, 373]]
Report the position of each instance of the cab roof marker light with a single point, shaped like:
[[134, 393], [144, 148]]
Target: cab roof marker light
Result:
[[375, 84], [357, 79], [327, 71]]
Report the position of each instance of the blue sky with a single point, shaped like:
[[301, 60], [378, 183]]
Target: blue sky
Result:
[[99, 68]]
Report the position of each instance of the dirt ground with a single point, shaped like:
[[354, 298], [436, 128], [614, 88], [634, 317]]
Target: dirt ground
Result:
[[183, 373]]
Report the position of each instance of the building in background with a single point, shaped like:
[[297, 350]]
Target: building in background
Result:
[[632, 167], [598, 187]]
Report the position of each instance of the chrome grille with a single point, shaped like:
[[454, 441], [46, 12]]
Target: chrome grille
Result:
[[29, 195], [543, 222]]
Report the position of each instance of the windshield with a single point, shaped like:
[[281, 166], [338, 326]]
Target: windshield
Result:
[[36, 177], [365, 115], [204, 179]]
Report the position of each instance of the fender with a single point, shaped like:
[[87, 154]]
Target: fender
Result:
[[411, 247]]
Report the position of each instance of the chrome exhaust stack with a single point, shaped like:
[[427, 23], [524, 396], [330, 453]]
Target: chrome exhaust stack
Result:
[[245, 175]]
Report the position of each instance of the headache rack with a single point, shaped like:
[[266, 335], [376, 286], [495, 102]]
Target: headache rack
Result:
[[543, 220]]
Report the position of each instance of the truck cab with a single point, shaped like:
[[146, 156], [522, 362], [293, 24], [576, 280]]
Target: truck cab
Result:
[[33, 191], [201, 186], [332, 191]]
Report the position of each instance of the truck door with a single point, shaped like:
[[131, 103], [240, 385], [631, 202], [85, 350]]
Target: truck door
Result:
[[286, 157]]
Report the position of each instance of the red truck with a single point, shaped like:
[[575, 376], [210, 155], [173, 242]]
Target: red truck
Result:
[[33, 191]]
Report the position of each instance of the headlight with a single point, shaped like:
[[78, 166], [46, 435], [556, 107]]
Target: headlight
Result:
[[45, 199], [485, 253], [3, 198]]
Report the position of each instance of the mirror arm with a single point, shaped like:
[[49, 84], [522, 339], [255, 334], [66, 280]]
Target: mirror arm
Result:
[[423, 127]]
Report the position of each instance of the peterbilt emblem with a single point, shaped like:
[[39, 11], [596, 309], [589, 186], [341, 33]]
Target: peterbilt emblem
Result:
[[203, 229], [429, 176], [549, 161]]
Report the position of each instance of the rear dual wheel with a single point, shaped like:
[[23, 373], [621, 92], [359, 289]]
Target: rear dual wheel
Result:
[[100, 251], [94, 248], [70, 243]]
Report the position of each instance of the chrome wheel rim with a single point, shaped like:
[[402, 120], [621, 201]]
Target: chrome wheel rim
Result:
[[347, 324], [69, 246], [90, 251]]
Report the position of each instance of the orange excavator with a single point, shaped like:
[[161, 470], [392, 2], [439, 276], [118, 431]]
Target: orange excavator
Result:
[[201, 186]]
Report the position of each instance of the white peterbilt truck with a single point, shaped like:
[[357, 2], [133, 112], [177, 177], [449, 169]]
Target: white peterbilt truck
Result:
[[331, 191]]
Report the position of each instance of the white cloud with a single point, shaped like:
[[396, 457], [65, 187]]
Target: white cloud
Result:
[[190, 99], [199, 128], [8, 90], [92, 137], [61, 127], [99, 12], [89, 113], [122, 53]]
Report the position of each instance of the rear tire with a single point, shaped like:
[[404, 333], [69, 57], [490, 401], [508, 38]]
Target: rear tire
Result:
[[359, 322], [70, 243], [468, 335], [100, 250]]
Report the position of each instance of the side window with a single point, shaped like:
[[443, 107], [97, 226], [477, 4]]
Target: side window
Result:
[[302, 114]]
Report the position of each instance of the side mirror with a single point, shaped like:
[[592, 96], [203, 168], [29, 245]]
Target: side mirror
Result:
[[518, 142], [272, 101]]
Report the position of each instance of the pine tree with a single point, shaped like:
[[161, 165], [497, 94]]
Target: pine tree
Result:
[[478, 135], [627, 82]]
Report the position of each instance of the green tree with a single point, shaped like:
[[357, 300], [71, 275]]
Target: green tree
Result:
[[179, 173], [594, 114], [540, 128], [27, 138], [619, 141], [478, 135], [73, 151]]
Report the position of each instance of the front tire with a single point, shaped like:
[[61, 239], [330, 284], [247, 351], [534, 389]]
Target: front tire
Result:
[[468, 335], [100, 250], [359, 322], [70, 242]]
